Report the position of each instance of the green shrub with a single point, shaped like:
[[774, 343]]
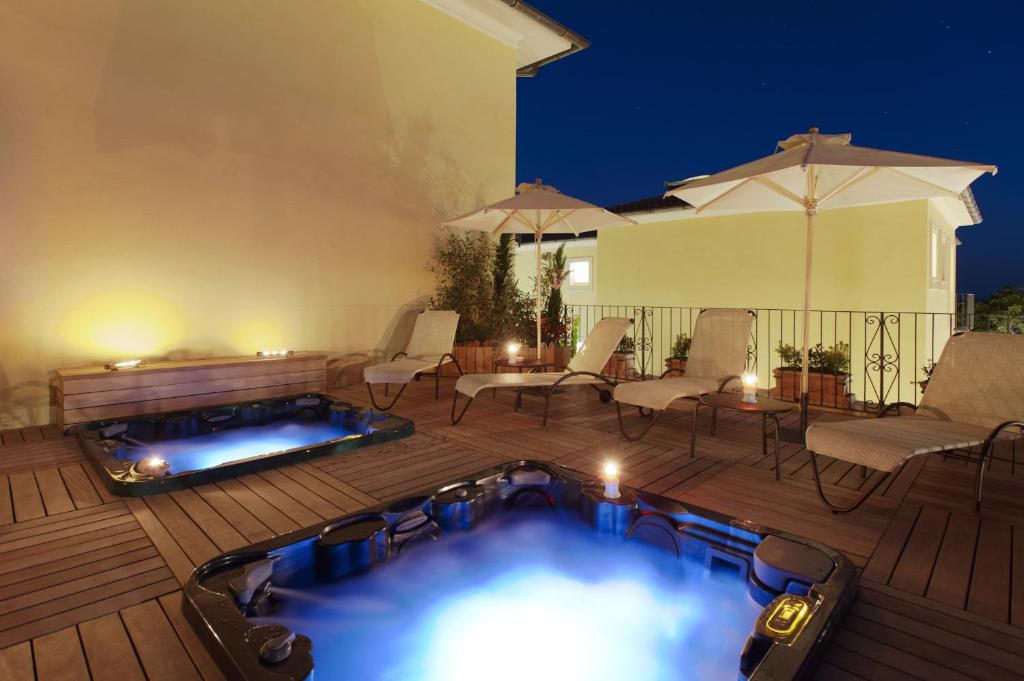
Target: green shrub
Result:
[[820, 360], [681, 347], [626, 346]]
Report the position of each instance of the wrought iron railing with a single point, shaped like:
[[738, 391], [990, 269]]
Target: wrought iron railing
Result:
[[890, 353]]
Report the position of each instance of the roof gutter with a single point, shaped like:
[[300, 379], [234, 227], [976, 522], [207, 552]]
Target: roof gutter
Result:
[[577, 42]]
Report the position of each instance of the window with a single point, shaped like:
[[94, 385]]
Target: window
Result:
[[939, 247], [581, 272]]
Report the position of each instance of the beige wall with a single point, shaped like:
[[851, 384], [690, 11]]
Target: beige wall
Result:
[[196, 178], [864, 259], [526, 267]]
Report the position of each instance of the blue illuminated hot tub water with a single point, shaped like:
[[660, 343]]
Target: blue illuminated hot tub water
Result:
[[213, 449], [526, 595]]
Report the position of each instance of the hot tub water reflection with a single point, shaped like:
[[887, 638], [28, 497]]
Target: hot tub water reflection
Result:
[[527, 595]]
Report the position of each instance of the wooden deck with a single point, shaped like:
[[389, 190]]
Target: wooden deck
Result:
[[89, 583]]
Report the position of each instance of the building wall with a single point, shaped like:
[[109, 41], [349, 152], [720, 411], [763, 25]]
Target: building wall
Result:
[[526, 267], [196, 178], [868, 258]]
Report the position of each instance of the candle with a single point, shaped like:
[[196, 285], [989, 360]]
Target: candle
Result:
[[611, 480], [125, 364], [513, 352], [749, 387]]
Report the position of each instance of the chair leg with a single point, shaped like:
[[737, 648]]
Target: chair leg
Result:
[[833, 507], [622, 426], [979, 478], [373, 400], [455, 400]]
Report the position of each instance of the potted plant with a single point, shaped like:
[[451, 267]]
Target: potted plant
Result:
[[622, 363], [678, 354], [928, 369], [828, 376]]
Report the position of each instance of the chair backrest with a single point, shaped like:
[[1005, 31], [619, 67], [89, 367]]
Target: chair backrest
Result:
[[433, 335], [978, 380], [721, 338], [600, 344]]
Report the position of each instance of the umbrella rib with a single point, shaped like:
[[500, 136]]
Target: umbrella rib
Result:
[[501, 225], [854, 178], [932, 185], [724, 194], [778, 189]]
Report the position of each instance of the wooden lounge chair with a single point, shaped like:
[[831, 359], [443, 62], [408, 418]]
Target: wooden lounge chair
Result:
[[430, 347], [584, 369], [718, 355], [975, 398]]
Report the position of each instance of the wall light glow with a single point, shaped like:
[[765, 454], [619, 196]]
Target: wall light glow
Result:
[[121, 324]]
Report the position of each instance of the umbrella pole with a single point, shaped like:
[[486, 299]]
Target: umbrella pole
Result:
[[537, 239], [810, 209], [805, 368]]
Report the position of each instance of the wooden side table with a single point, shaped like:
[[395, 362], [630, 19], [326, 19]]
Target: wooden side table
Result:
[[767, 407]]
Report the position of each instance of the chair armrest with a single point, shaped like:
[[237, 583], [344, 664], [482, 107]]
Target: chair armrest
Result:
[[397, 355], [725, 382], [666, 372], [895, 406], [546, 368]]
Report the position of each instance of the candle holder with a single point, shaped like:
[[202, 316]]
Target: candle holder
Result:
[[749, 388], [513, 352], [611, 481]]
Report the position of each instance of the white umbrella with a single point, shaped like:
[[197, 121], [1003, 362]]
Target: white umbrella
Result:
[[813, 172], [539, 209]]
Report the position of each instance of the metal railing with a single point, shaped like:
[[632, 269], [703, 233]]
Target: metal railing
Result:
[[890, 353]]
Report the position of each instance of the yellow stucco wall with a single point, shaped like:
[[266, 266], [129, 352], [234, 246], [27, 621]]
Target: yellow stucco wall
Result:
[[526, 266], [867, 258], [196, 178]]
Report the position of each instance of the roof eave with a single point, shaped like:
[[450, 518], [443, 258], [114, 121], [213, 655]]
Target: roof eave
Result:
[[577, 43]]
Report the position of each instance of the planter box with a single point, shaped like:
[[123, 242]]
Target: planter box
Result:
[[827, 390], [678, 364], [479, 358], [621, 366]]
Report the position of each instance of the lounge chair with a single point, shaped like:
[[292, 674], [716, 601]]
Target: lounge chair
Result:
[[430, 347], [584, 369], [975, 397], [718, 355]]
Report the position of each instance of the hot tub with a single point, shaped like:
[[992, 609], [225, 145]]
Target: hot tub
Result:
[[151, 454], [524, 571]]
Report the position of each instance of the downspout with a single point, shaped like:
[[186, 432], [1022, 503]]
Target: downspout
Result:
[[577, 42]]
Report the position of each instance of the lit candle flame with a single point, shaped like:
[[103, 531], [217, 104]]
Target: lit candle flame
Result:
[[611, 471]]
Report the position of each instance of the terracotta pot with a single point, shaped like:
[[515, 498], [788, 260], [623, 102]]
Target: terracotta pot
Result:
[[675, 363], [621, 365], [923, 384], [827, 390]]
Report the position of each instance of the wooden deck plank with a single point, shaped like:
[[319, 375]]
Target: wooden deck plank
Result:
[[215, 527], [161, 653], [173, 555], [171, 604], [913, 570], [59, 657], [951, 577], [189, 536], [28, 504], [267, 513], [6, 503], [55, 496], [80, 488], [244, 522], [890, 546], [16, 663], [108, 650], [990, 584]]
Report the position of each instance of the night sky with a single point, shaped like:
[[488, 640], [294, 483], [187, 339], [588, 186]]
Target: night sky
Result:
[[672, 89]]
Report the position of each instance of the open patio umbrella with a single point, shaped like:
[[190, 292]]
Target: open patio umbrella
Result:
[[812, 172], [539, 209]]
